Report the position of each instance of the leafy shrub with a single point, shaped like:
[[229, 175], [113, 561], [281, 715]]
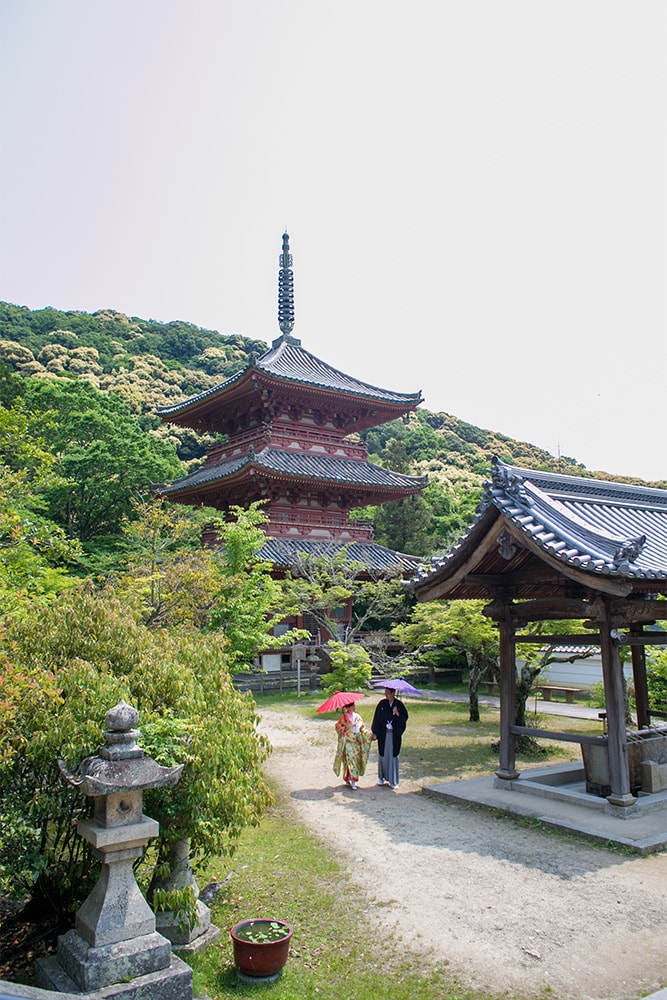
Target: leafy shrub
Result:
[[597, 695], [351, 668], [656, 672], [70, 663]]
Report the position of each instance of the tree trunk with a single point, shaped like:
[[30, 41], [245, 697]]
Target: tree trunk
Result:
[[524, 688], [475, 673]]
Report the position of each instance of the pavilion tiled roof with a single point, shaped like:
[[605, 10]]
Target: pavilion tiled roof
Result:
[[289, 362], [602, 528], [300, 465], [285, 552]]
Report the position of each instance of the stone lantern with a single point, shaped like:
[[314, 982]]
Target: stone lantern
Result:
[[114, 940], [313, 662]]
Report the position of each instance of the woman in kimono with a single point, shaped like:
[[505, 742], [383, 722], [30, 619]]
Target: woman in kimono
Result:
[[354, 743]]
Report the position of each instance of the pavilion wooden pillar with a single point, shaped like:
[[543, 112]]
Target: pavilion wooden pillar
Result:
[[641, 682], [507, 769], [612, 669]]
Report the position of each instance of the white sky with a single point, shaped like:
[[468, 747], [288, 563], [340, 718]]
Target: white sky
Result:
[[475, 192]]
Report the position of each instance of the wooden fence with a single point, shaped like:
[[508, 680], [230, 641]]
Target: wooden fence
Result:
[[276, 681]]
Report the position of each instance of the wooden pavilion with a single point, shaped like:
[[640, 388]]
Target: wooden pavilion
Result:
[[549, 547]]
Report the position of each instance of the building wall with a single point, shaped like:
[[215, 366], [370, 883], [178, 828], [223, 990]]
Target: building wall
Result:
[[580, 673]]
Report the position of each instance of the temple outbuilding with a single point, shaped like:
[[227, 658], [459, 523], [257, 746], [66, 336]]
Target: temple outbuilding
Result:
[[549, 547]]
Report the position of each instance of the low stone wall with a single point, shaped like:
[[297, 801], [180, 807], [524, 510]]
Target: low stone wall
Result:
[[643, 746]]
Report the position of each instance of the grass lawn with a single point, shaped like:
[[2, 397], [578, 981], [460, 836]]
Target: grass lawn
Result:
[[282, 870]]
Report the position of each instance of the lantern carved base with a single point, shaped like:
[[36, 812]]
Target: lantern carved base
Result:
[[172, 983]]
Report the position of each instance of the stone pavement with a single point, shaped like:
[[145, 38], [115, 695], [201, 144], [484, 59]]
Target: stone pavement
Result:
[[556, 796]]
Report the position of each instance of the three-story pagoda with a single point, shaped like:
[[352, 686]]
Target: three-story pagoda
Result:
[[289, 425]]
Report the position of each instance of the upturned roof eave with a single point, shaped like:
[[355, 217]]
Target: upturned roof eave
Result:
[[555, 535], [247, 467], [208, 395], [373, 395], [247, 472], [449, 579], [447, 571], [283, 552]]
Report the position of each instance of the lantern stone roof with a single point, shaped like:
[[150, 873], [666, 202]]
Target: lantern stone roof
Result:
[[297, 465], [607, 536], [286, 552]]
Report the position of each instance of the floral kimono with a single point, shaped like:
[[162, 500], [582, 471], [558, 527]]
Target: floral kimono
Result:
[[354, 744]]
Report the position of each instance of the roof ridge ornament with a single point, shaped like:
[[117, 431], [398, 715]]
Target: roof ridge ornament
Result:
[[286, 289], [629, 552], [509, 482]]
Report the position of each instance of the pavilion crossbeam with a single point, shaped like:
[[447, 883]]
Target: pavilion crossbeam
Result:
[[592, 639], [560, 639], [543, 609], [552, 734]]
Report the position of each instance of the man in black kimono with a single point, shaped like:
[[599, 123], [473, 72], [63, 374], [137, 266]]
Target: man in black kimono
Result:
[[389, 722]]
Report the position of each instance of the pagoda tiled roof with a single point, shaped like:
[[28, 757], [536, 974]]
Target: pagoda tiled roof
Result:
[[285, 552], [289, 362], [599, 528], [301, 465]]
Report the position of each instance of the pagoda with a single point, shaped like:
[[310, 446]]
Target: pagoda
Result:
[[289, 428]]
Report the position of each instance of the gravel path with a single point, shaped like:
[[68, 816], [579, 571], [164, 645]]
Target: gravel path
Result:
[[508, 909]]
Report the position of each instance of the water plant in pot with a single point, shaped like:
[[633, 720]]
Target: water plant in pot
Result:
[[261, 947]]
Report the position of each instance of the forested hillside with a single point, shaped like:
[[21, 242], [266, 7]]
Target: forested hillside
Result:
[[100, 377]]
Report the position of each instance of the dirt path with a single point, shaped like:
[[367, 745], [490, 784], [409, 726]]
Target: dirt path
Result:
[[507, 908]]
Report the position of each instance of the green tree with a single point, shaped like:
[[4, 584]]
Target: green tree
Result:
[[405, 525], [168, 578], [104, 458], [247, 601], [536, 660], [656, 671], [72, 661], [317, 585], [456, 625], [223, 588], [351, 668], [34, 552]]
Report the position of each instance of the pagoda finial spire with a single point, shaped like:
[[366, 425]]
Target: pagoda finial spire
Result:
[[286, 289]]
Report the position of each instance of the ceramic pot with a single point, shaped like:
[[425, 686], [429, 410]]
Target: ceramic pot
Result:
[[261, 946]]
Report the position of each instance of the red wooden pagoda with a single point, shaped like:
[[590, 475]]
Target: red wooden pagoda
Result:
[[290, 425]]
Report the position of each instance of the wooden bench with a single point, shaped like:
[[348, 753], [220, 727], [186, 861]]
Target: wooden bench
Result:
[[548, 689], [490, 687]]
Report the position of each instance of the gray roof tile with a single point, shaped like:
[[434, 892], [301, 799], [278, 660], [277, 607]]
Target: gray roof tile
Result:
[[289, 362], [608, 528], [285, 552], [302, 465]]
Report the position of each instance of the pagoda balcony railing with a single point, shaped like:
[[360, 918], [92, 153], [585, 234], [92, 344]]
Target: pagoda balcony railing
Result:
[[287, 438], [258, 436], [318, 518], [285, 524], [282, 436]]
